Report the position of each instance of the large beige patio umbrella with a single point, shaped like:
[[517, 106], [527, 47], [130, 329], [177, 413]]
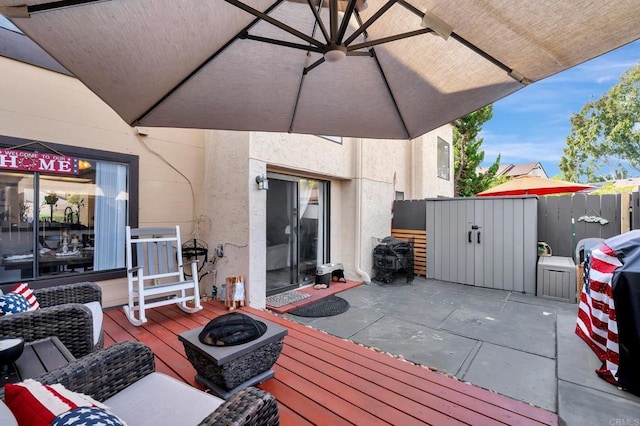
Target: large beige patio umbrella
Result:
[[533, 185], [383, 69]]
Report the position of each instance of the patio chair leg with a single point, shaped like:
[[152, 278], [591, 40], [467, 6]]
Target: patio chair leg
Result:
[[129, 312], [191, 309]]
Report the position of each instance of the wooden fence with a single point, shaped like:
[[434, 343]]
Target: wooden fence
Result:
[[419, 239], [562, 220], [565, 220], [410, 221]]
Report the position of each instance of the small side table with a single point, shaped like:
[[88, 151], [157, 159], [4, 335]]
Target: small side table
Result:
[[38, 357], [227, 369]]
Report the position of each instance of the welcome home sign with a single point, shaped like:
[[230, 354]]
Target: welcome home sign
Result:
[[29, 161]]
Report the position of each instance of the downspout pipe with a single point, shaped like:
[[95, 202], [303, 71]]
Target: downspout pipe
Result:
[[365, 277]]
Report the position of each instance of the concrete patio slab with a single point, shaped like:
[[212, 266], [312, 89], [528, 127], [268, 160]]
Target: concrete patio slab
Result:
[[423, 345], [577, 363], [524, 327], [579, 405], [344, 325], [512, 343], [518, 374]]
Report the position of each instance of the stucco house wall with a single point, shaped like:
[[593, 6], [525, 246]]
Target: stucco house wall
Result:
[[364, 177], [36, 104], [205, 180]]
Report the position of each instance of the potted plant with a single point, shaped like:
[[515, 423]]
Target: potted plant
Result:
[[51, 200]]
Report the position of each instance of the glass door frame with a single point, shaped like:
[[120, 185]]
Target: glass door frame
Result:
[[296, 274]]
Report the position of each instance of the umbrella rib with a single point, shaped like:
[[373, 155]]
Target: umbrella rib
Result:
[[510, 71], [393, 98], [62, 4], [305, 47], [370, 21], [386, 82], [202, 65], [345, 21], [389, 39], [295, 105], [312, 66], [265, 17], [319, 20]]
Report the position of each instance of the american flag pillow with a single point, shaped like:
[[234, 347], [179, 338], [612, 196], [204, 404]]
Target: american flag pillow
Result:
[[33, 403], [13, 303], [24, 290], [86, 416]]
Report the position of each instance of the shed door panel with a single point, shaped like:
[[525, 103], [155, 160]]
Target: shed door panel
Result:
[[502, 252]]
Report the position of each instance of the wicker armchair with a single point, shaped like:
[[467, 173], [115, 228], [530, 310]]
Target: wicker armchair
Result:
[[107, 372], [61, 314]]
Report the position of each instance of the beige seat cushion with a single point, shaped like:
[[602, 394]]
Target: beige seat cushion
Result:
[[6, 416], [96, 313], [158, 399]]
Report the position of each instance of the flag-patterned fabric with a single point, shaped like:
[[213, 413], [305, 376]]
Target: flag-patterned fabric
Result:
[[12, 303], [33, 403], [597, 323], [24, 290], [87, 416]]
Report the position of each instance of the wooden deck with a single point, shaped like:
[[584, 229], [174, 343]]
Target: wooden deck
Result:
[[322, 379]]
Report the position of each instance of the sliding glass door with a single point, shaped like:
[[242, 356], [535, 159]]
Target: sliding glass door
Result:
[[296, 231]]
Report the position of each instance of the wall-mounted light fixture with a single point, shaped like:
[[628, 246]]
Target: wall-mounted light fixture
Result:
[[263, 182]]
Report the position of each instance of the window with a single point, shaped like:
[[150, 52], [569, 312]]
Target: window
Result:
[[63, 212], [444, 170]]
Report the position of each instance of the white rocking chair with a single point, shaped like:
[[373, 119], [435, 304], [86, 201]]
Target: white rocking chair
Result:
[[155, 273]]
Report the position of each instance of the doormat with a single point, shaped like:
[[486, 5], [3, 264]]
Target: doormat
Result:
[[326, 307], [286, 298]]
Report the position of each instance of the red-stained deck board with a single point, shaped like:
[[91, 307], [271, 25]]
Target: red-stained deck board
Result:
[[492, 405], [413, 402], [322, 379], [450, 402], [385, 406], [290, 417], [304, 405]]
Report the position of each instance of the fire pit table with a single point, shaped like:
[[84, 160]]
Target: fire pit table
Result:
[[227, 369]]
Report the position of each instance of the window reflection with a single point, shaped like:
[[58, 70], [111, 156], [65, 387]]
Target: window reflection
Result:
[[54, 224]]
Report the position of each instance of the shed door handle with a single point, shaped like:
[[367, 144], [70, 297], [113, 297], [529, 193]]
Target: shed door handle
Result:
[[479, 237], [470, 240]]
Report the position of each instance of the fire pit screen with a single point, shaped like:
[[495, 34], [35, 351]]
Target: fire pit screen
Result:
[[393, 256], [231, 329]]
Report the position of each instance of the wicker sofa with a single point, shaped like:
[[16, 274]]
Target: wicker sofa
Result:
[[122, 376], [62, 313]]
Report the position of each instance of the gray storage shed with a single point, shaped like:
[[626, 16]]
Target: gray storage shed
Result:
[[485, 242]]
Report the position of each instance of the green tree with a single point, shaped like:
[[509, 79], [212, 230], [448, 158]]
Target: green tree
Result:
[[605, 134], [468, 155]]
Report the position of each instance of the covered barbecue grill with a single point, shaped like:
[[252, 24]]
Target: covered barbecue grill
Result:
[[393, 256], [609, 312]]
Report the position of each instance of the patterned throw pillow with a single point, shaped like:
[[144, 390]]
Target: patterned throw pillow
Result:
[[24, 290], [87, 416], [35, 404], [13, 303]]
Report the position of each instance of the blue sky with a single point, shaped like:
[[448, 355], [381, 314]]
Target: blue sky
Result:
[[532, 124]]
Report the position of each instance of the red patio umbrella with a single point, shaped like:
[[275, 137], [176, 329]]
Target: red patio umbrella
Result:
[[533, 185]]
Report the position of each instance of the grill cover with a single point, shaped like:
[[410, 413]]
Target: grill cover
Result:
[[231, 329], [609, 312]]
